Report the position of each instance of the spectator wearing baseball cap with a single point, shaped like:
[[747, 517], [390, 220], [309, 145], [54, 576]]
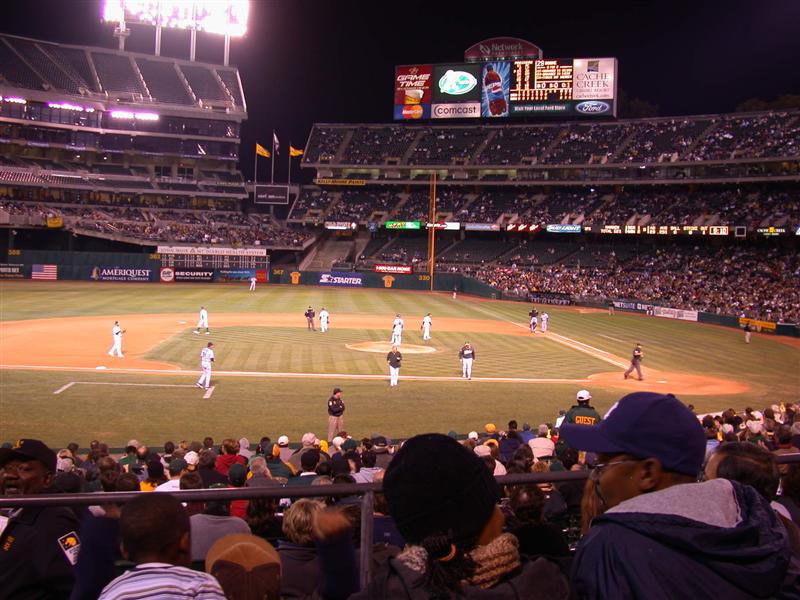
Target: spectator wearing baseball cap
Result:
[[667, 535], [285, 451], [582, 413], [177, 467], [444, 502], [39, 545], [309, 441], [246, 566], [383, 454]]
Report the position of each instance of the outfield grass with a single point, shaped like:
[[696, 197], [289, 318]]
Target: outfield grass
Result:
[[256, 406]]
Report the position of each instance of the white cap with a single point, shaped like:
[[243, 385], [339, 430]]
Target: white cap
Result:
[[338, 441], [283, 440], [754, 427], [309, 439], [583, 396], [472, 435], [483, 451], [191, 458], [726, 428]]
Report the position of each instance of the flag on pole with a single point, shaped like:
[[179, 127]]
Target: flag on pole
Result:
[[275, 143], [261, 151], [295, 151]]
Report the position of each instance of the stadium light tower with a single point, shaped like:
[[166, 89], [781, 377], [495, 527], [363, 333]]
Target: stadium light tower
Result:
[[223, 17]]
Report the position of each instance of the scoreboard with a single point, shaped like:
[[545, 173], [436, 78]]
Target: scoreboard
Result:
[[213, 257], [550, 87]]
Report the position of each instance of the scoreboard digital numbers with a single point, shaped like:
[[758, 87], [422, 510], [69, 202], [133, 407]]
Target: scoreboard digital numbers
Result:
[[213, 257]]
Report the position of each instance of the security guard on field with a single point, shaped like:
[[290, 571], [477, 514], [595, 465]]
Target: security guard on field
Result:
[[38, 545], [582, 413]]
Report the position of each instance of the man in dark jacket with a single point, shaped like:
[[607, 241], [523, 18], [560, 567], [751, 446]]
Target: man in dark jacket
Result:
[[38, 545], [663, 535], [335, 413]]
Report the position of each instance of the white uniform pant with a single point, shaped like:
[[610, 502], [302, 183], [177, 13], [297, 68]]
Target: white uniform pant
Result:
[[466, 367], [252, 285], [202, 323], [205, 378], [544, 326], [117, 346], [426, 333], [747, 336], [323, 325], [394, 375], [397, 337]]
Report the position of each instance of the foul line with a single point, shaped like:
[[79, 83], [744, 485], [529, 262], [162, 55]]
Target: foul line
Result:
[[569, 342], [267, 374], [208, 393]]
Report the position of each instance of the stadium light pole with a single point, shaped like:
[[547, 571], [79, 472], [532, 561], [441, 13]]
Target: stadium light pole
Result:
[[432, 230]]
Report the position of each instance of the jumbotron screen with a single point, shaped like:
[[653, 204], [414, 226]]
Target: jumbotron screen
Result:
[[532, 87]]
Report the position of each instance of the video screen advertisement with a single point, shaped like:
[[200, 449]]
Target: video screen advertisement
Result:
[[548, 87]]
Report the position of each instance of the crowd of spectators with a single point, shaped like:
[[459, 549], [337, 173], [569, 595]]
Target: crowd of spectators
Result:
[[728, 280], [442, 525], [644, 141]]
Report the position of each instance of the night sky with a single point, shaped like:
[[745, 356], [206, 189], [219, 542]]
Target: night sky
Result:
[[307, 61]]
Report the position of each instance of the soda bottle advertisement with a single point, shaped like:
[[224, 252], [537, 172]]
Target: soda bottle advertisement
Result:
[[496, 77]]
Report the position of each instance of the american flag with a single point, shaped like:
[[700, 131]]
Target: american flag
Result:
[[44, 272]]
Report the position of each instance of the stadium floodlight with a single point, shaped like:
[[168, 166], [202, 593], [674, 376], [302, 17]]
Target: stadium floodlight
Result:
[[68, 106], [224, 17], [15, 100], [130, 115]]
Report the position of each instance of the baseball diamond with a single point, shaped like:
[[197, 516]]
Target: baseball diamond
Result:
[[268, 366]]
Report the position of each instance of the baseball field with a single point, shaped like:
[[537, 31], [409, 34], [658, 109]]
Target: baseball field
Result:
[[272, 376]]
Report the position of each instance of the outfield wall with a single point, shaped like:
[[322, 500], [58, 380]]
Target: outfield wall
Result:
[[119, 266]]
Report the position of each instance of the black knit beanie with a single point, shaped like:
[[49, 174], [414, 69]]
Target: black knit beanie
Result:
[[435, 486]]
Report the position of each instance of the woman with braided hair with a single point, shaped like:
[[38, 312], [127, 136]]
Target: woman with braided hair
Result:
[[444, 503]]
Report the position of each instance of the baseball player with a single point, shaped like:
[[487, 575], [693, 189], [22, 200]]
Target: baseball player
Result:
[[534, 319], [253, 283], [206, 358], [116, 336], [202, 321], [394, 359], [309, 315], [748, 332], [545, 319], [636, 362], [397, 330], [324, 319], [426, 327], [467, 356]]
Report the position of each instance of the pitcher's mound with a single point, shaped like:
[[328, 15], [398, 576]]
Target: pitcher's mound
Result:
[[385, 347]]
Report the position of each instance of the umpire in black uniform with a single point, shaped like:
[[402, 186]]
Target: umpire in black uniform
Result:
[[39, 545], [636, 362]]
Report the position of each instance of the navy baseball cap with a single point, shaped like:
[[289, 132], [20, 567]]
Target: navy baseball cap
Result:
[[28, 449], [645, 425]]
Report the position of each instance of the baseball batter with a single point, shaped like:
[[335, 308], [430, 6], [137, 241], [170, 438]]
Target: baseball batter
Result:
[[394, 359], [467, 356], [426, 327], [636, 362], [545, 321], [324, 320], [202, 321], [397, 330], [116, 336], [206, 358]]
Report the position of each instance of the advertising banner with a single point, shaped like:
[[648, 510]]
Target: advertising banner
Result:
[[496, 77], [594, 79], [166, 275], [564, 228], [102, 273], [12, 271], [194, 275], [262, 275], [211, 251], [412, 92], [227, 275], [462, 110], [403, 269], [502, 47], [481, 227], [675, 313], [338, 279], [403, 225], [456, 83], [340, 225]]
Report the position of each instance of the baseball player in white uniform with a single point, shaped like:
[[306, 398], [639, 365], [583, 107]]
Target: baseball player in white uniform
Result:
[[467, 356], [324, 318], [206, 358], [545, 319], [202, 321], [534, 323], [116, 335], [253, 283], [397, 330], [426, 327]]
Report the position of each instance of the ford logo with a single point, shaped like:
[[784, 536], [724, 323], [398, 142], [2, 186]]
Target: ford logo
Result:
[[593, 107]]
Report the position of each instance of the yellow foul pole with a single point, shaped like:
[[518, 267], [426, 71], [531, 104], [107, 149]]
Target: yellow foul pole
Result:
[[432, 230]]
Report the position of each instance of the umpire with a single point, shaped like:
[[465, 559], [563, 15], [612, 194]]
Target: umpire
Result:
[[636, 363], [335, 412]]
